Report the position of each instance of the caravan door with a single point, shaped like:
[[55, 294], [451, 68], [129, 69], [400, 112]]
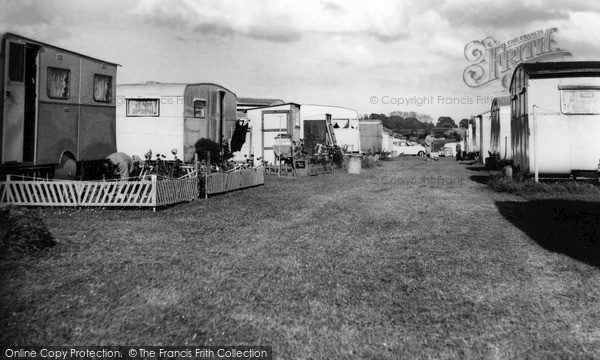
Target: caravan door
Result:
[[20, 102], [274, 122]]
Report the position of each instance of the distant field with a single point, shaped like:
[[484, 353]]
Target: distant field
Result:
[[411, 259]]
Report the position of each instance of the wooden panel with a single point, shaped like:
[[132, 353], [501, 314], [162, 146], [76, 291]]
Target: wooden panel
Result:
[[223, 182], [175, 191]]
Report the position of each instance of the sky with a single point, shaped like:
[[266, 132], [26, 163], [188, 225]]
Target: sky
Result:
[[373, 56]]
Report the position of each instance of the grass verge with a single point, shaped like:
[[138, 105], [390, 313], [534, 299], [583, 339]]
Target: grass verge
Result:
[[410, 259]]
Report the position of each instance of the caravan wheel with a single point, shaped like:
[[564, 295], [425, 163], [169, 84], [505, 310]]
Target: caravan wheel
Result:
[[66, 169]]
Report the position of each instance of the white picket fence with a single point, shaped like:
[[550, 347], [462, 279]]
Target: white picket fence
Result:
[[145, 193]]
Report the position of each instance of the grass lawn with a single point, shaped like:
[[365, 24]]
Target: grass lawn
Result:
[[411, 259]]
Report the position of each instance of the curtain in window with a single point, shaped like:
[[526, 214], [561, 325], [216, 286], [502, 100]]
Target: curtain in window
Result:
[[102, 88], [580, 101], [58, 83], [341, 123], [142, 107]]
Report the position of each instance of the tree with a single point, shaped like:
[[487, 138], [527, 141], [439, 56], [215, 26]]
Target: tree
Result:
[[446, 122], [464, 123]]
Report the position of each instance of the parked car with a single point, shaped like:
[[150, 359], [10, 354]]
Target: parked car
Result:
[[403, 147], [446, 151]]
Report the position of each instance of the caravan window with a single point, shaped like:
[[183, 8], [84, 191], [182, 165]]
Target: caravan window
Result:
[[16, 63], [523, 102], [579, 100], [102, 88], [200, 109], [341, 123], [58, 83], [142, 107]]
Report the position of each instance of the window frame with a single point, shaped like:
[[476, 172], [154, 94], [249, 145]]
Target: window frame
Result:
[[203, 108], [127, 106], [574, 88], [48, 77], [110, 92], [523, 102], [12, 64]]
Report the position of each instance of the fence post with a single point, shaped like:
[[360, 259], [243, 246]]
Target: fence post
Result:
[[8, 191], [207, 174], [196, 164], [154, 191]]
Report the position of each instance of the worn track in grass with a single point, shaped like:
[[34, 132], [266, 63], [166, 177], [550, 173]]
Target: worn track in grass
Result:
[[411, 259]]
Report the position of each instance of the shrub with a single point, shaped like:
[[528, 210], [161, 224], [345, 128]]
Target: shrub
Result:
[[203, 146], [329, 155]]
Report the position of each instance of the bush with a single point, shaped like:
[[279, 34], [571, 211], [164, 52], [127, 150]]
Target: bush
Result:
[[22, 231], [369, 161], [330, 155], [203, 146]]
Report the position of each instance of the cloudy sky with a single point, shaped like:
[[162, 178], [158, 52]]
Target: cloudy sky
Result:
[[364, 55]]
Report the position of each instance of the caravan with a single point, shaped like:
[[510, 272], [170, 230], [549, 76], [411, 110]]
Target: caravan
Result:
[[162, 117], [57, 109], [555, 118], [500, 140], [344, 121]]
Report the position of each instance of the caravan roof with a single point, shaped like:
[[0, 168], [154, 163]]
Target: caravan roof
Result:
[[501, 101], [275, 105], [8, 34], [561, 69], [158, 88]]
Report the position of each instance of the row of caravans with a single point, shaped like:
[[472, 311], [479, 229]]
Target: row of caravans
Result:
[[549, 125], [60, 109]]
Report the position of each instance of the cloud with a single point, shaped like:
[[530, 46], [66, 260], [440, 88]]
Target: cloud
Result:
[[333, 7], [34, 19], [264, 33], [499, 15], [280, 21]]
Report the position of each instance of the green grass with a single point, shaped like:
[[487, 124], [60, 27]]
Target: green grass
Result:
[[411, 259]]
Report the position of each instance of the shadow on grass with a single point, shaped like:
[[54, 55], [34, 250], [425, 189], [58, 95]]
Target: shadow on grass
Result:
[[567, 227], [476, 168], [482, 179]]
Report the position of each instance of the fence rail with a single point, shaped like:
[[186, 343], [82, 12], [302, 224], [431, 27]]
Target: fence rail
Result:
[[148, 192], [223, 182], [144, 193]]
